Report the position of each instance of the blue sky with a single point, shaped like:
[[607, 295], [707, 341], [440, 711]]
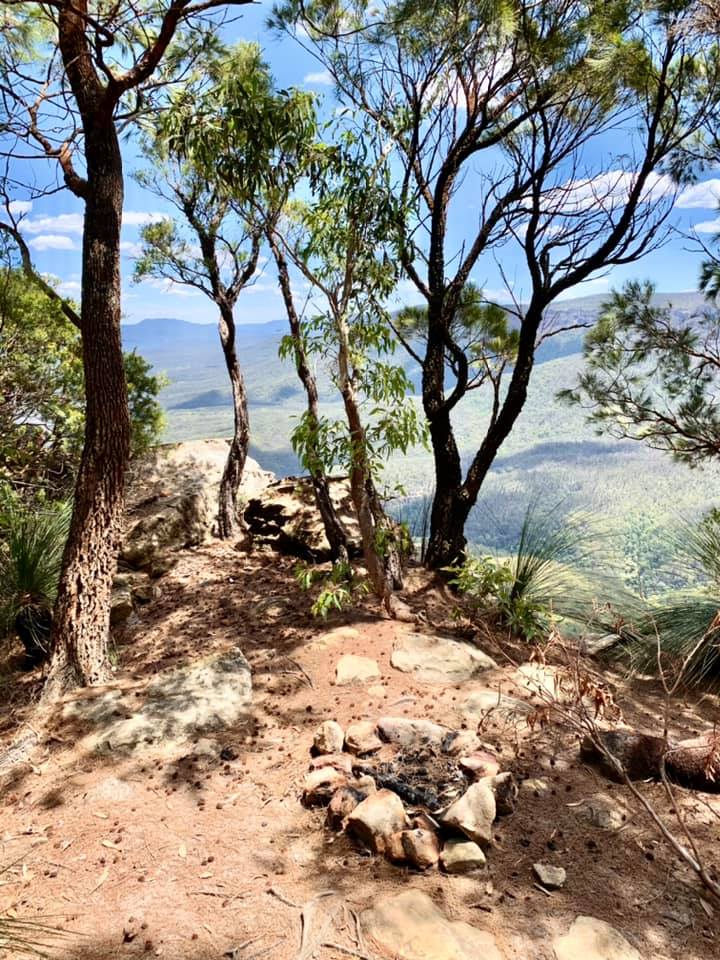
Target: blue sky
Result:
[[53, 225]]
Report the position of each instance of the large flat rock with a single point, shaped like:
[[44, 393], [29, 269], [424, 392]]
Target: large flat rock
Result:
[[592, 939], [437, 659], [409, 926], [178, 706]]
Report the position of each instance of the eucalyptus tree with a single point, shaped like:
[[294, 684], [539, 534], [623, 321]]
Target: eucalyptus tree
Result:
[[213, 244], [562, 124], [73, 77], [295, 346], [338, 242], [252, 146]]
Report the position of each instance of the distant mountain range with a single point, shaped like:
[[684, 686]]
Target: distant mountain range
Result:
[[552, 452]]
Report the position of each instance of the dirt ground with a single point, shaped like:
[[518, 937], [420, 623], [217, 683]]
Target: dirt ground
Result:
[[193, 857]]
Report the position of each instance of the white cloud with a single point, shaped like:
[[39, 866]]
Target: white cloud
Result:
[[170, 287], [73, 222], [61, 223], [139, 218], [69, 288], [131, 249], [700, 196], [51, 241], [587, 288], [20, 207], [319, 78], [708, 226], [606, 191]]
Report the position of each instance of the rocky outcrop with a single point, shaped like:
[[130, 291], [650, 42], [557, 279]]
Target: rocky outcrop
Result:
[[285, 515], [173, 500]]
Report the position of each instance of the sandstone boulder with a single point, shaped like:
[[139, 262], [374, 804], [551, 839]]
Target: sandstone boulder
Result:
[[411, 734], [321, 785], [462, 856], [409, 926], [592, 939], [473, 813], [329, 738], [374, 820], [285, 516], [421, 847], [361, 738], [352, 668], [438, 660], [172, 499]]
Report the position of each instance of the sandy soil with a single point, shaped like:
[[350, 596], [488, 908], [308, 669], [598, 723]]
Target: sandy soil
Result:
[[189, 857]]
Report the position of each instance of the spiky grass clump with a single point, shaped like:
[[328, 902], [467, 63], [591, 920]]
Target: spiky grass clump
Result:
[[553, 574], [32, 541], [684, 630]]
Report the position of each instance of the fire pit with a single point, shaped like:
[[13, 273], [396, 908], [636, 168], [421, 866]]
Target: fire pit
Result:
[[410, 790]]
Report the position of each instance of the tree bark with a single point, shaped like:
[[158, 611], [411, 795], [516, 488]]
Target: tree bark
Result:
[[334, 531], [81, 620], [237, 455], [380, 553], [454, 498]]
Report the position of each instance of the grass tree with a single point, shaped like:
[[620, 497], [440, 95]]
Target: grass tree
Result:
[[74, 76], [566, 114]]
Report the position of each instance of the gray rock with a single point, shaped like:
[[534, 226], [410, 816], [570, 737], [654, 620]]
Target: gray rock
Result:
[[409, 926], [361, 738], [121, 604], [284, 515], [411, 733], [602, 812], [552, 878], [534, 787], [438, 660], [421, 848], [178, 705], [462, 856], [592, 939], [505, 789], [483, 703], [374, 820], [354, 669], [480, 764], [341, 761], [172, 499], [461, 742], [329, 738], [473, 813]]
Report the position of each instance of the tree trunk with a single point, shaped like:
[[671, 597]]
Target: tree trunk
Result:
[[382, 559], [334, 531], [446, 538], [455, 498], [237, 455], [81, 620]]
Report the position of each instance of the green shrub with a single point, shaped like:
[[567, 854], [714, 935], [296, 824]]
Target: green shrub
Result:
[[32, 540], [339, 588]]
